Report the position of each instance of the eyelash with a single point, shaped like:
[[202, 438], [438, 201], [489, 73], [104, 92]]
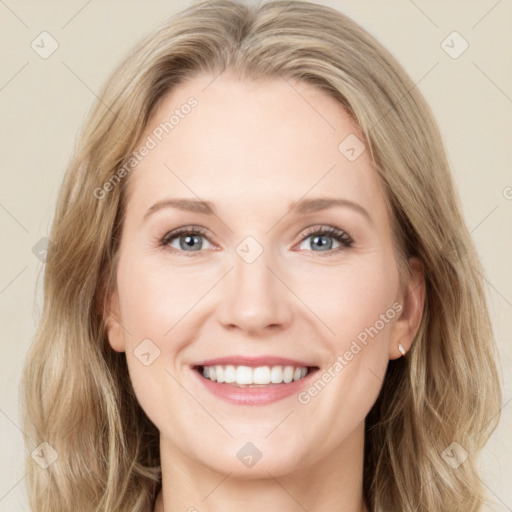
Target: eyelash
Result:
[[342, 237]]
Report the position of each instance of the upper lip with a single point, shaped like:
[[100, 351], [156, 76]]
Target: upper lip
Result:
[[253, 361]]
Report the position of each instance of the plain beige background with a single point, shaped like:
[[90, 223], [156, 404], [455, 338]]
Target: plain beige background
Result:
[[43, 103]]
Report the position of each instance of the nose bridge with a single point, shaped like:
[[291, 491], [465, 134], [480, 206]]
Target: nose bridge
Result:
[[254, 297]]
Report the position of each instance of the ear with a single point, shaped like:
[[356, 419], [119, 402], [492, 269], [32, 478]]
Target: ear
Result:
[[412, 300], [114, 329]]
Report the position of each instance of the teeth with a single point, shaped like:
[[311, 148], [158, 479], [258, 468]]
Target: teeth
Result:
[[229, 374], [288, 374], [247, 376], [243, 375], [261, 375]]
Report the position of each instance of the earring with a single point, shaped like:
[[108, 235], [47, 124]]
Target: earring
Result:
[[401, 349]]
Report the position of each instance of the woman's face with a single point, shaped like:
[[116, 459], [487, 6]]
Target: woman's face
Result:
[[260, 286]]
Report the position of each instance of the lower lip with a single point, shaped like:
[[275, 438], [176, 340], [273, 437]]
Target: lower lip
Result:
[[254, 396]]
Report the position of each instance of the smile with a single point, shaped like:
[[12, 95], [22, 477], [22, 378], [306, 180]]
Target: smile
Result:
[[246, 376], [261, 380]]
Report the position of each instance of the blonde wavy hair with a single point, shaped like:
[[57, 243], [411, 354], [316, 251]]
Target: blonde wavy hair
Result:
[[76, 391]]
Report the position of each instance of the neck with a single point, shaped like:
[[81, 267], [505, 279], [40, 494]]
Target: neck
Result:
[[332, 483]]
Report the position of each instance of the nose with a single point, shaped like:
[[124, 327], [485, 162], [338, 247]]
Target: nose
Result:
[[254, 297]]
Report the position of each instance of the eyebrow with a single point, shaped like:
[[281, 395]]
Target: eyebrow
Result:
[[301, 207]]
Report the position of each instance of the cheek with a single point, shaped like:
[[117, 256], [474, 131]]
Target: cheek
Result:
[[353, 298], [153, 298], [153, 307], [358, 305]]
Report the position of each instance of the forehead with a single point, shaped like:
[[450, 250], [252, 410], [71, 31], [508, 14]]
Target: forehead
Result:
[[249, 143]]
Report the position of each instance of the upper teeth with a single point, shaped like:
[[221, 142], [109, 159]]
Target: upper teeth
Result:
[[259, 375]]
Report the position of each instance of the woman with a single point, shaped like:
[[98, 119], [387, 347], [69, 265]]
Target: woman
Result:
[[195, 351]]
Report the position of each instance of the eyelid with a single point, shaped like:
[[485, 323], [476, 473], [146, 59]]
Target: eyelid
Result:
[[326, 229], [185, 229], [340, 235]]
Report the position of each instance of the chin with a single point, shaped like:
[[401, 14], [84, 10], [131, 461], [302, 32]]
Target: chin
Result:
[[253, 460]]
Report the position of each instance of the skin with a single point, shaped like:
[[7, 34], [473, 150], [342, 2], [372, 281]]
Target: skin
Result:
[[252, 148]]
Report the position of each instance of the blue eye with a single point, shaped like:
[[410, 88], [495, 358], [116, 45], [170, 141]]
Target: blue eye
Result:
[[189, 239], [322, 236]]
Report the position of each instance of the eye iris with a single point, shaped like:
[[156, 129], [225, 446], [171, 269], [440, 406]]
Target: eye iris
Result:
[[322, 243], [187, 241]]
